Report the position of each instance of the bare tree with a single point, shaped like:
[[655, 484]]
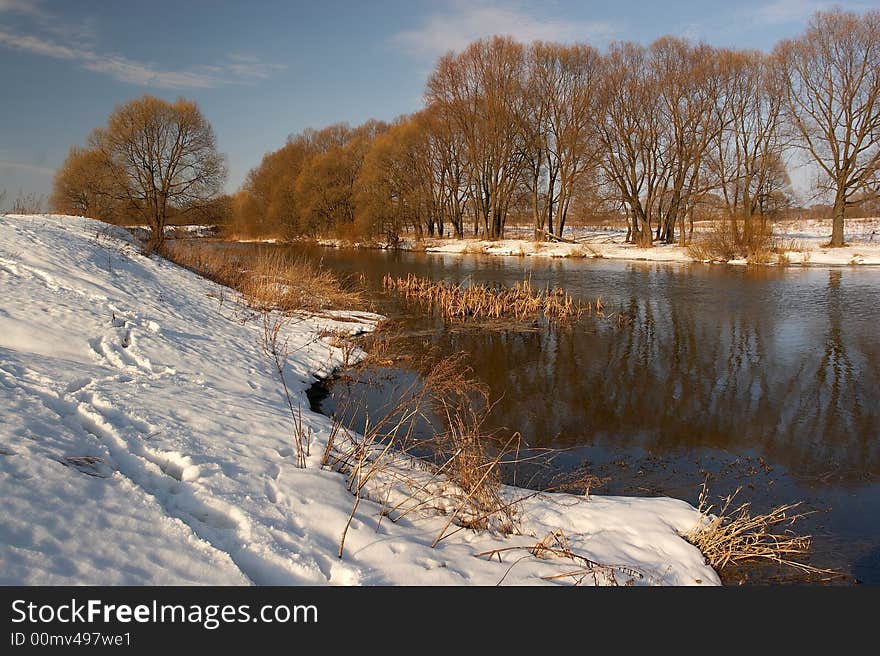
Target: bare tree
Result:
[[161, 156], [688, 83], [831, 83], [632, 136], [560, 99], [478, 91], [746, 164]]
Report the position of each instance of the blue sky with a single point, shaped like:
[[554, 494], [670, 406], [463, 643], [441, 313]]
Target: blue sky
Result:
[[263, 70]]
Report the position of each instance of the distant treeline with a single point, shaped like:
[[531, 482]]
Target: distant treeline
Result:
[[544, 134]]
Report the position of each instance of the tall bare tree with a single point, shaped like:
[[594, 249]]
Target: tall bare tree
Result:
[[560, 106], [632, 136], [746, 164], [161, 156], [688, 84], [479, 91], [831, 83]]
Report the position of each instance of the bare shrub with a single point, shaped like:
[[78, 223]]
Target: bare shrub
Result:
[[724, 242]]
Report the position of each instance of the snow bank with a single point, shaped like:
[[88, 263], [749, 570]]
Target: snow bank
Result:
[[144, 440], [802, 239]]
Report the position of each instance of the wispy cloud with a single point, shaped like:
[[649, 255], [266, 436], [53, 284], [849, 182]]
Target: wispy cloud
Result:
[[45, 35], [462, 21], [7, 167], [28, 7]]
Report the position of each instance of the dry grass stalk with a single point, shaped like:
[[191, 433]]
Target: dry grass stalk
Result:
[[275, 345], [520, 302], [459, 478], [280, 290], [555, 545], [730, 534]]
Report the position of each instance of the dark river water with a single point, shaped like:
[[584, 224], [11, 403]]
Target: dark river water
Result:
[[763, 378]]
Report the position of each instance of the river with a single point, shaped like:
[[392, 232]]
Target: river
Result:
[[764, 378]]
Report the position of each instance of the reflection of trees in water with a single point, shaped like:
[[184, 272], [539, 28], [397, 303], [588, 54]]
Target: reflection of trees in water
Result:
[[836, 415], [678, 376]]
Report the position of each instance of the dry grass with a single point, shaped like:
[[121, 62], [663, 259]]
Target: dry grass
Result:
[[269, 280], [473, 248], [578, 480], [458, 471], [730, 534], [722, 243], [520, 302], [554, 546]]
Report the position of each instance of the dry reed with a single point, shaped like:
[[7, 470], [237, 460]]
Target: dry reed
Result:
[[458, 474], [458, 301], [725, 241], [730, 534]]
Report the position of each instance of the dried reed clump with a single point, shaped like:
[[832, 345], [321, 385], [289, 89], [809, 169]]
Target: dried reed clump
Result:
[[729, 534], [268, 280], [520, 302], [725, 240]]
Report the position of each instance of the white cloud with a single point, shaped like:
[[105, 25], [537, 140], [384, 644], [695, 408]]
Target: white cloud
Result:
[[46, 35], [464, 21]]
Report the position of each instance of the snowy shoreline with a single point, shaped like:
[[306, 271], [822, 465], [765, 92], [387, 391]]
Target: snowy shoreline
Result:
[[802, 240], [146, 440]]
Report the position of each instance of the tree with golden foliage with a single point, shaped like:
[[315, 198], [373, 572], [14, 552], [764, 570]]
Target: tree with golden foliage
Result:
[[83, 186], [325, 188], [161, 157]]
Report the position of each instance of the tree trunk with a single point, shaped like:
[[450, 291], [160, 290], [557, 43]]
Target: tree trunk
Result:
[[839, 213]]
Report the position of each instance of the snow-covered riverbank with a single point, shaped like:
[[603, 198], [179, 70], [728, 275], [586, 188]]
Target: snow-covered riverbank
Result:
[[144, 439], [801, 243]]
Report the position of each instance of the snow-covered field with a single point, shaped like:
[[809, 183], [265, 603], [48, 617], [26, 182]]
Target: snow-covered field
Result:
[[144, 439], [802, 239]]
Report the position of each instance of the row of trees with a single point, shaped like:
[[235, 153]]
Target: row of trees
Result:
[[543, 132], [655, 133]]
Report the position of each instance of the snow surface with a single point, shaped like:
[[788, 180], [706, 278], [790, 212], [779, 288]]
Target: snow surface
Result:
[[802, 239], [144, 439]]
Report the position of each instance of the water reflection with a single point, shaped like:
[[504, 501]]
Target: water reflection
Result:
[[759, 377]]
